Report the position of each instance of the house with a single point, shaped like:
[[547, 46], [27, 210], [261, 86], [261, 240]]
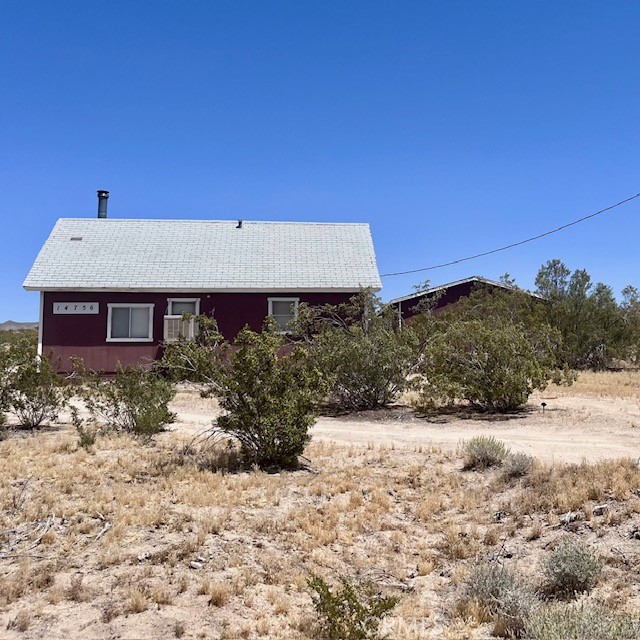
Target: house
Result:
[[444, 295], [113, 290]]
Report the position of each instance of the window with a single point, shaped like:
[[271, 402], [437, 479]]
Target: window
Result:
[[175, 327], [178, 306], [283, 310], [129, 323]]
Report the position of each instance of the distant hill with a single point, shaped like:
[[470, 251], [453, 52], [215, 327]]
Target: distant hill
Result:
[[10, 325]]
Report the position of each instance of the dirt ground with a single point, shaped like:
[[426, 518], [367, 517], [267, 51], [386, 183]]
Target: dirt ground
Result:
[[127, 540], [596, 418]]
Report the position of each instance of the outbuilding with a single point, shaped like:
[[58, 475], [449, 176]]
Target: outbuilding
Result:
[[445, 295]]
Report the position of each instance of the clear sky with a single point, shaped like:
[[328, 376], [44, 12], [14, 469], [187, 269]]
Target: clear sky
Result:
[[452, 127]]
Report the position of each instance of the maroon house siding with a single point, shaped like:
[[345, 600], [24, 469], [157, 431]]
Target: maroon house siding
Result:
[[84, 336], [447, 297]]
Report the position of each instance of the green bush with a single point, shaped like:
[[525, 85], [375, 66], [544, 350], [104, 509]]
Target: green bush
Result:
[[482, 452], [501, 598], [492, 366], [30, 387], [270, 399], [349, 612], [570, 569], [361, 350], [587, 621], [135, 401]]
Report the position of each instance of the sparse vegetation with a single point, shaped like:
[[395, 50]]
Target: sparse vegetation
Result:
[[496, 594], [482, 452], [30, 387], [585, 621], [156, 534], [135, 401], [571, 568], [517, 465], [349, 612]]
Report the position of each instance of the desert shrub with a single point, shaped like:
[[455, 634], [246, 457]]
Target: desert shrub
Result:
[[198, 359], [31, 388], [517, 465], [496, 594], [270, 399], [493, 366], [360, 348], [571, 568], [134, 401], [587, 621], [5, 383], [349, 612], [482, 452]]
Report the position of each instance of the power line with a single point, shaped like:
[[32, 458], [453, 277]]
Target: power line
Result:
[[515, 244]]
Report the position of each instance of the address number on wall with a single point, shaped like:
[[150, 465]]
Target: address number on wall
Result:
[[75, 308]]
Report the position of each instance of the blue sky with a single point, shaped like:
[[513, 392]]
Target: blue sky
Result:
[[452, 127]]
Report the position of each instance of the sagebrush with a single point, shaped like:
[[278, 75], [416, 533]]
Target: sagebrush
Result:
[[570, 569], [498, 595], [482, 452]]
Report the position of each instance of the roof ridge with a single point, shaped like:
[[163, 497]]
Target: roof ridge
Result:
[[226, 221]]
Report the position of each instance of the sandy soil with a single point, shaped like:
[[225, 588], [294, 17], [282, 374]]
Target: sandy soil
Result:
[[571, 429], [129, 540]]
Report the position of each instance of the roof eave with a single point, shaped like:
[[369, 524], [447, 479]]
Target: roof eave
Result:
[[354, 289]]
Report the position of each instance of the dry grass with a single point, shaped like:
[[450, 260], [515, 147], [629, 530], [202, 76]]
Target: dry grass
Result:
[[577, 487], [602, 384], [133, 536]]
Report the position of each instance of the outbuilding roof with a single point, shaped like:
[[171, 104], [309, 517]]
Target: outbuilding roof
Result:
[[204, 255], [475, 279]]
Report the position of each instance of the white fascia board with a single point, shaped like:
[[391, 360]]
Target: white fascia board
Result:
[[178, 289]]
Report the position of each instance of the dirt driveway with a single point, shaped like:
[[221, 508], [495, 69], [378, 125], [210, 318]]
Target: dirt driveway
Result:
[[572, 428]]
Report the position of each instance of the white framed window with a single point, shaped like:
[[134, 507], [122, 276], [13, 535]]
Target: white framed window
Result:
[[129, 322], [175, 326], [179, 306], [283, 311]]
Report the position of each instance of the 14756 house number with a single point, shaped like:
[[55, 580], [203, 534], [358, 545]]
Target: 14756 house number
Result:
[[75, 308]]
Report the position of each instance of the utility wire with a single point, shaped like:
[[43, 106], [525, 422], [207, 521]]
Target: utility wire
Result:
[[515, 244]]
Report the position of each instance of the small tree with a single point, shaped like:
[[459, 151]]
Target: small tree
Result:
[[591, 322], [134, 401], [270, 399], [30, 387], [361, 349]]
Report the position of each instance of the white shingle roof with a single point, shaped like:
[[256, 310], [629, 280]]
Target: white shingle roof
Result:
[[204, 255]]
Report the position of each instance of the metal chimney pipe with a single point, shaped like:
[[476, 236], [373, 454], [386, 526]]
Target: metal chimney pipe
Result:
[[103, 196]]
